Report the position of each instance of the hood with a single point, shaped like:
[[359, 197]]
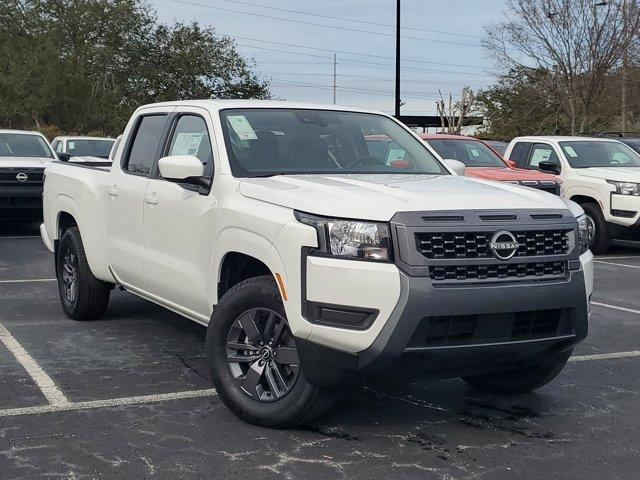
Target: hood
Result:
[[24, 162], [619, 174], [508, 174], [380, 197]]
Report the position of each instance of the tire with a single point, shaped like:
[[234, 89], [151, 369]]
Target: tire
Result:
[[516, 382], [601, 239], [274, 393], [83, 296]]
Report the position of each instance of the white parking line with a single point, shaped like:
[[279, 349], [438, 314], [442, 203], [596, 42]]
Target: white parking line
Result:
[[112, 402], [617, 258], [604, 356], [628, 241], [163, 397], [618, 264], [39, 376], [29, 280], [615, 307]]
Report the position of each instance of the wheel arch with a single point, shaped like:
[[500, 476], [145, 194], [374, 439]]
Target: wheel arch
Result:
[[241, 254]]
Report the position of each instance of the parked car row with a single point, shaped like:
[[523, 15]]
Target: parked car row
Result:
[[599, 173], [23, 158]]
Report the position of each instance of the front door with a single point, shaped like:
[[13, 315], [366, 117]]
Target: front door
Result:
[[177, 221]]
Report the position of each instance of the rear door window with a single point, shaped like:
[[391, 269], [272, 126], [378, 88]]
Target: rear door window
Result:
[[519, 154], [144, 148]]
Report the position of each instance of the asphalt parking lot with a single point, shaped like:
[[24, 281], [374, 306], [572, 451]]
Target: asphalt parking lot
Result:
[[129, 397]]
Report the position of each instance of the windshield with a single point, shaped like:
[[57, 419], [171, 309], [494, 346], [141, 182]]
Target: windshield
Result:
[[114, 147], [263, 142], [472, 153], [594, 153], [89, 148], [633, 143], [500, 147], [21, 145]]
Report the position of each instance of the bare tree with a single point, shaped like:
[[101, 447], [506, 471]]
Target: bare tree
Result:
[[571, 46], [453, 114]]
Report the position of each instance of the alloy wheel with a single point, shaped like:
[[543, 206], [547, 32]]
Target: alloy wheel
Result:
[[69, 275], [262, 355], [591, 229]]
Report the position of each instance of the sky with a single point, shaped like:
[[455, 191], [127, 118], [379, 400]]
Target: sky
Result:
[[441, 48]]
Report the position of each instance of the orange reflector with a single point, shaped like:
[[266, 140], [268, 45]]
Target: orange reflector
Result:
[[283, 292]]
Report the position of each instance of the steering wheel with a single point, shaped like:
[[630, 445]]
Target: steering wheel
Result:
[[367, 160]]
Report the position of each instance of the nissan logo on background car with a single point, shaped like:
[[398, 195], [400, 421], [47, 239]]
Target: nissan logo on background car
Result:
[[504, 245], [22, 177]]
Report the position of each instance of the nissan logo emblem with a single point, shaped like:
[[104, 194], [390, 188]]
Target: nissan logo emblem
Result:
[[504, 245], [22, 177]]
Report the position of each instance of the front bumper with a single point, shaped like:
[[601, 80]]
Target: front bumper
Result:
[[492, 346], [21, 202], [625, 211]]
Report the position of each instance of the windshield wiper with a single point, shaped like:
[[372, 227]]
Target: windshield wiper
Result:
[[266, 175]]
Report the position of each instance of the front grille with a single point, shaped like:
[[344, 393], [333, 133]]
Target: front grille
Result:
[[496, 327], [550, 189], [8, 177], [499, 271], [444, 245], [544, 185]]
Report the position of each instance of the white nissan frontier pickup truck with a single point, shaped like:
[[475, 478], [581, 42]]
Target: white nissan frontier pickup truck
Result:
[[315, 263]]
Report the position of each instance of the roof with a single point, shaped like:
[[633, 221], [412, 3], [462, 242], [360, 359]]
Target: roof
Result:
[[444, 136], [82, 137], [214, 104], [20, 132], [560, 138]]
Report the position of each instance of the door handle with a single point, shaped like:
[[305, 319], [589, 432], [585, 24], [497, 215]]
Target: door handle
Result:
[[151, 199], [113, 192]]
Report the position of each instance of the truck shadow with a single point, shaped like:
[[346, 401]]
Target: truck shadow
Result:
[[13, 228]]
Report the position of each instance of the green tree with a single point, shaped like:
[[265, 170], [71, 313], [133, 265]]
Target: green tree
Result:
[[85, 65]]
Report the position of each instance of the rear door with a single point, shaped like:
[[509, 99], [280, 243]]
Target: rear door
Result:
[[178, 219], [125, 196], [520, 154]]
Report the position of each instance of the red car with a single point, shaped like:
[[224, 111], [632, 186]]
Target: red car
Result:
[[484, 162]]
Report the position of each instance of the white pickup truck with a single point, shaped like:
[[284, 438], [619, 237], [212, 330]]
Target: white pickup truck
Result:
[[601, 174], [82, 149], [23, 158], [312, 261]]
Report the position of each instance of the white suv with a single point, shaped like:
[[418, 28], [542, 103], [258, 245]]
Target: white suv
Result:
[[601, 174]]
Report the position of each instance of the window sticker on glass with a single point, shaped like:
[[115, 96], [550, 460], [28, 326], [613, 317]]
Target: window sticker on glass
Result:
[[395, 154], [475, 152], [570, 151], [242, 127], [187, 143], [71, 145]]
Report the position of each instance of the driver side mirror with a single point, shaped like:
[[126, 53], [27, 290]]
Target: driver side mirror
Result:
[[457, 166], [550, 167], [63, 157], [511, 163], [183, 169]]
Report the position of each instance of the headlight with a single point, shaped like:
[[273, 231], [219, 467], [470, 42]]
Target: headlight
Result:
[[350, 238], [626, 188], [583, 234]]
